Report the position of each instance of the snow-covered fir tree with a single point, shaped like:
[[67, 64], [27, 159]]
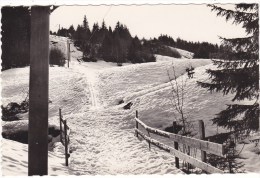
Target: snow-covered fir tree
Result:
[[238, 71]]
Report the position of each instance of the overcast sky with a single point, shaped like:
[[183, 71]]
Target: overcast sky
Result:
[[189, 22]]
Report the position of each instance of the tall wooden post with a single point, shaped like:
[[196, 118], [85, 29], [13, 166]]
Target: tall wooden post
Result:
[[202, 137], [66, 143], [38, 92], [68, 52], [60, 125], [176, 144], [136, 123]]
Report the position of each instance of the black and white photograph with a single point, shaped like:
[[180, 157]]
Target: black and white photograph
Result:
[[106, 88]]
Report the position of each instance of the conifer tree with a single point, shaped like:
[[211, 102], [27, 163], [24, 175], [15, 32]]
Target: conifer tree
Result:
[[106, 49], [71, 30], [134, 51], [238, 71], [104, 27], [94, 33], [85, 23]]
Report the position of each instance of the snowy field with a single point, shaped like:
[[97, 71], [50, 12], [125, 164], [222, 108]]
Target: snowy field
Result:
[[102, 132]]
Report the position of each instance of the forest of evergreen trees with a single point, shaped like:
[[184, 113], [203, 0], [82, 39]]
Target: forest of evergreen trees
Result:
[[98, 43], [101, 42], [117, 45]]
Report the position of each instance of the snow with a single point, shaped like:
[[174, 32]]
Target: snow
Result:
[[15, 126], [160, 58], [183, 53], [249, 157], [102, 132], [15, 160]]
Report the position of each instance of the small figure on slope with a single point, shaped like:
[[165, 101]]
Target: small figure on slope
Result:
[[190, 71]]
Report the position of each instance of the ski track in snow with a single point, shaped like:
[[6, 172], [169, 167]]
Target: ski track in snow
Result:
[[102, 137], [93, 93], [99, 144]]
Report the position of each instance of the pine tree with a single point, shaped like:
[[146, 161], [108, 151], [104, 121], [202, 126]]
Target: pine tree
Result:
[[238, 72], [78, 36], [94, 33], [104, 27], [71, 30], [85, 23], [102, 32], [134, 51], [107, 47]]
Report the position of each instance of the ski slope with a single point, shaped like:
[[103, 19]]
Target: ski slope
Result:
[[102, 132]]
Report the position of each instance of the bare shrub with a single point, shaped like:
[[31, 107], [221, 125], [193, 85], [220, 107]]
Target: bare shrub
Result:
[[57, 57]]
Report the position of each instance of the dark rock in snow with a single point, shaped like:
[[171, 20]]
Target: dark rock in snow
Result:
[[170, 128], [120, 102], [128, 106]]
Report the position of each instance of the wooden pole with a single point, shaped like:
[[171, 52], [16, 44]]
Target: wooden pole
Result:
[[149, 143], [38, 92], [202, 137], [136, 123], [60, 125], [188, 153], [66, 143], [176, 145], [68, 52]]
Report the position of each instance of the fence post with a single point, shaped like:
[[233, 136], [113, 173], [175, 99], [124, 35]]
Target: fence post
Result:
[[136, 123], [176, 145], [68, 52], [149, 141], [60, 125], [188, 153], [202, 137], [66, 143]]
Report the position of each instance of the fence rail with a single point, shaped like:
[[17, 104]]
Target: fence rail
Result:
[[64, 135], [207, 146], [204, 146]]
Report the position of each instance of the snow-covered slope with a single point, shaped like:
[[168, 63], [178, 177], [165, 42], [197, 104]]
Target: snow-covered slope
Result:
[[147, 87], [102, 132], [183, 53], [15, 160]]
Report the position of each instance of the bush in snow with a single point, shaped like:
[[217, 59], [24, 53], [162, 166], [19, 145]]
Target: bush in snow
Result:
[[12, 109], [179, 93], [57, 57], [18, 131]]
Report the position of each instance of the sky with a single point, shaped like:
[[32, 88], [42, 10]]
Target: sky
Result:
[[189, 22]]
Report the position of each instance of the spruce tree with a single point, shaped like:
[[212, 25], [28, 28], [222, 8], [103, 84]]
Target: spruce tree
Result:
[[238, 72], [135, 51], [104, 27], [85, 23], [106, 49], [71, 30], [94, 33]]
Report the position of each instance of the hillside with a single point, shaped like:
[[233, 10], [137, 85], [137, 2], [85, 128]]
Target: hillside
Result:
[[102, 132], [183, 53]]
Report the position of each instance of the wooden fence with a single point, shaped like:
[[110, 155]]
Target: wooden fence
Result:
[[204, 146], [64, 136]]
